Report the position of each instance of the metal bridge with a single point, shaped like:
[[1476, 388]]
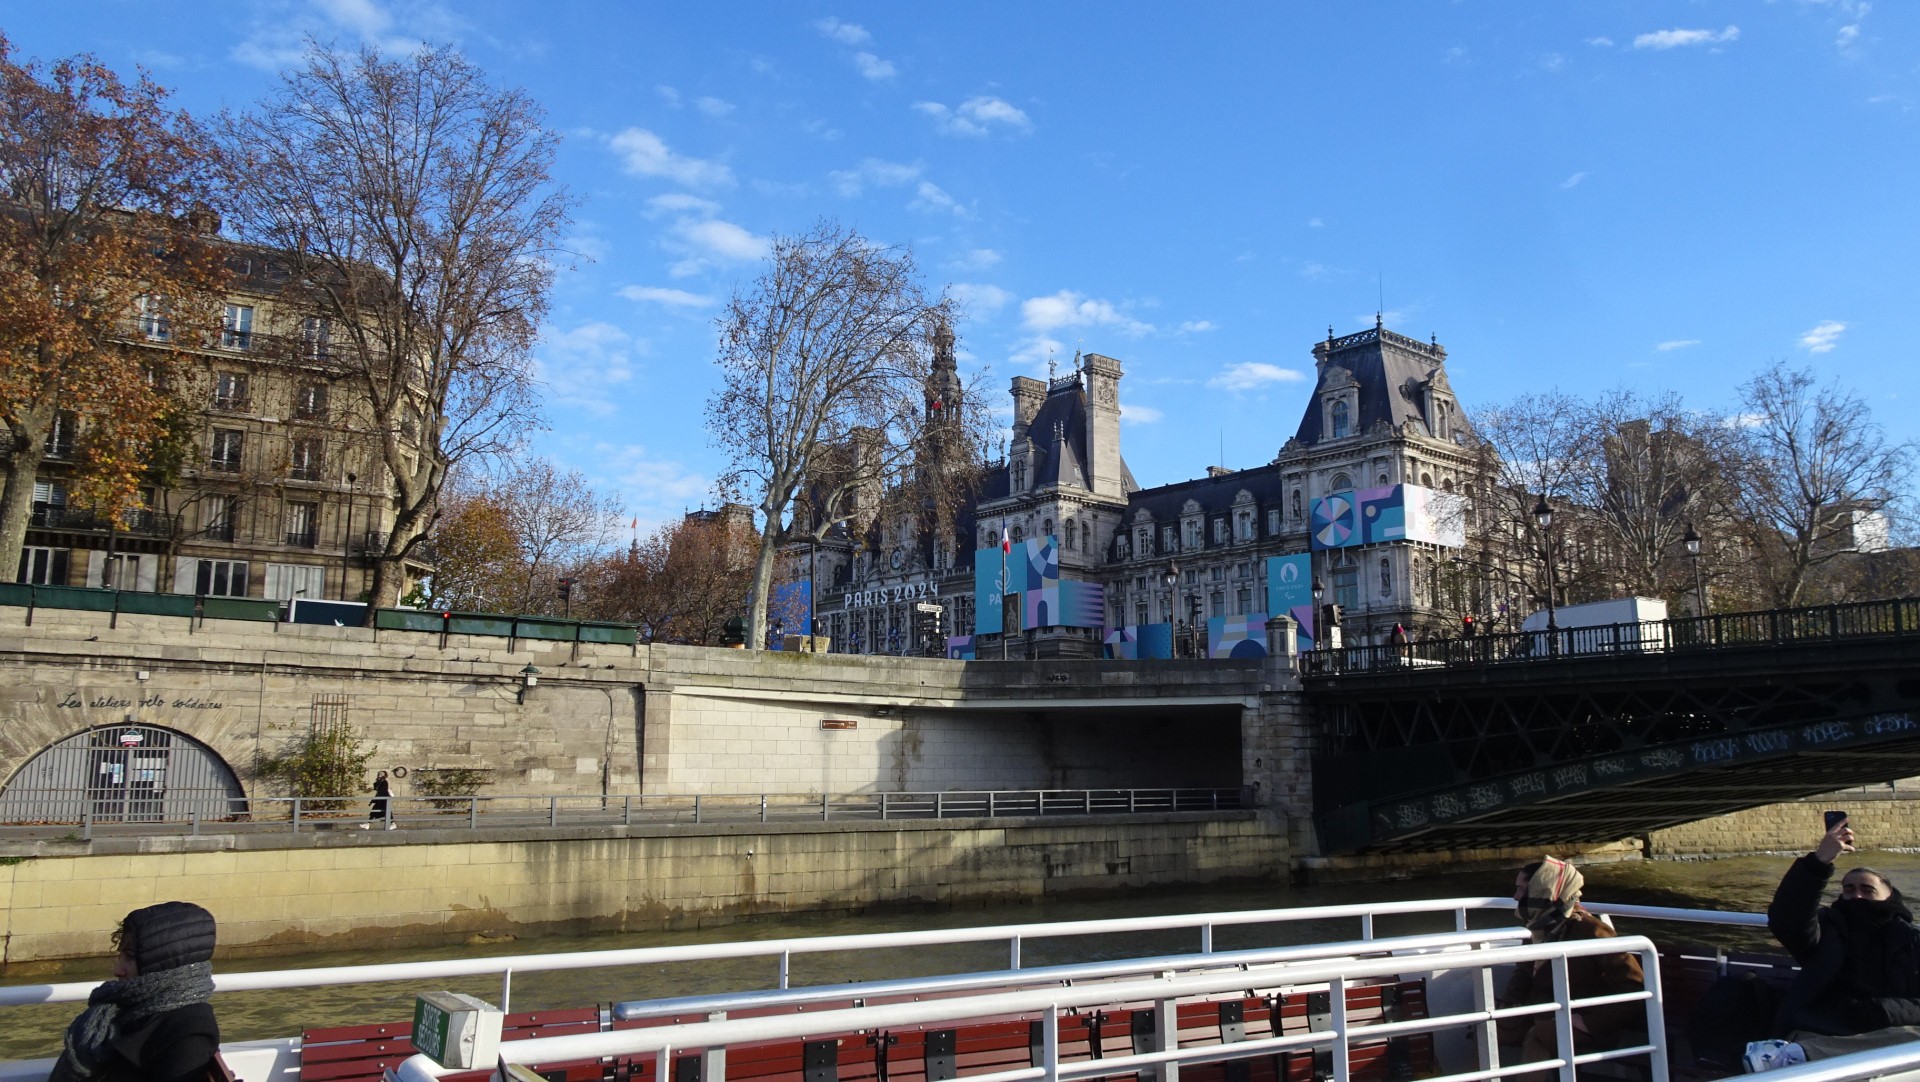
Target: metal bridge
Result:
[[1596, 734]]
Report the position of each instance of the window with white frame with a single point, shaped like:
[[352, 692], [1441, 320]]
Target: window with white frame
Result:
[[216, 516], [302, 519], [43, 566], [285, 582], [229, 391], [315, 331], [228, 443], [151, 318], [1273, 522], [236, 327]]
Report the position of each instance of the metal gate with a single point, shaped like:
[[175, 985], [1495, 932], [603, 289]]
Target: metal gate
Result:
[[122, 774]]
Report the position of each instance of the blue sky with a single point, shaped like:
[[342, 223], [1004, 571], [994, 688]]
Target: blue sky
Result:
[[1657, 196]]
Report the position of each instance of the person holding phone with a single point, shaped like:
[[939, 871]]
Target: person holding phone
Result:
[[1859, 981]]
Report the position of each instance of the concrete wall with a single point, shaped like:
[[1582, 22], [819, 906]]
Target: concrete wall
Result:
[[377, 887], [1882, 816]]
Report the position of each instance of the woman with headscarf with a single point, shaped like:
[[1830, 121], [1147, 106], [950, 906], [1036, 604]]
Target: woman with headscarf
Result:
[[1548, 897], [152, 1022]]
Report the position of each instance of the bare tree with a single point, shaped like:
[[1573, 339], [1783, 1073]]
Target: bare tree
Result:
[[502, 541], [824, 362], [415, 203], [1536, 447], [1809, 464], [682, 583], [97, 247]]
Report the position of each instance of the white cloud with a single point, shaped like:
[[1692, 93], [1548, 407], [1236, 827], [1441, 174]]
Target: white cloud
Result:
[[1674, 39], [714, 107], [875, 172], [668, 94], [1676, 343], [672, 298], [582, 366], [1551, 62], [1198, 326], [1315, 223], [277, 37], [976, 116], [1069, 309], [1253, 375], [930, 196], [722, 239], [1824, 337], [1573, 181], [1745, 420], [1848, 35], [873, 67], [646, 154], [844, 33], [680, 203], [975, 259], [1139, 415], [1601, 42], [980, 299], [655, 490]]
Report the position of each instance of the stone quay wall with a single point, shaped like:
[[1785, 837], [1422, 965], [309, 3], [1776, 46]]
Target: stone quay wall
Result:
[[1882, 817], [391, 888]]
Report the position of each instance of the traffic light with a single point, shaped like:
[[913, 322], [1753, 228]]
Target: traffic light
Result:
[[1466, 626], [566, 589], [1330, 614]]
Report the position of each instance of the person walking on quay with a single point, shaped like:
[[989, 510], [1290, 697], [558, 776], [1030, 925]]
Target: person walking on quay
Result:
[[1859, 981], [378, 812], [1548, 897], [152, 1021]]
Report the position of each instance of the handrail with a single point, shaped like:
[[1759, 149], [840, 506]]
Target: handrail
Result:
[[785, 949], [306, 813], [1051, 1001]]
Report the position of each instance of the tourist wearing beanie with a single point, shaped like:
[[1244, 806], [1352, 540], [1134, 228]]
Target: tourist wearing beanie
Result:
[[152, 1022]]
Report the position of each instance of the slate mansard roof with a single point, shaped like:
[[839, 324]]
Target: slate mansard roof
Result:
[[1396, 376]]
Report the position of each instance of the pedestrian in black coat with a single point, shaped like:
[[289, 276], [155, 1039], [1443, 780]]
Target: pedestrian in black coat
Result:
[[1859, 957], [152, 1022]]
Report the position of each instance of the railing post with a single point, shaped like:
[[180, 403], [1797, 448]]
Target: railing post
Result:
[[883, 806], [1342, 1048], [196, 822], [1562, 1018], [296, 815], [1013, 953], [826, 807], [696, 807], [1050, 1043], [1133, 801], [473, 813], [553, 811], [506, 990], [990, 795], [763, 807], [1086, 802], [786, 967], [86, 821], [626, 810], [939, 805]]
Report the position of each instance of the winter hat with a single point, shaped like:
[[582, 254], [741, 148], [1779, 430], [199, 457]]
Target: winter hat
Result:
[[169, 935]]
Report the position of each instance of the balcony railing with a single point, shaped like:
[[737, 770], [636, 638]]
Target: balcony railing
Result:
[[219, 531], [224, 465], [303, 539], [231, 403], [307, 473], [143, 522]]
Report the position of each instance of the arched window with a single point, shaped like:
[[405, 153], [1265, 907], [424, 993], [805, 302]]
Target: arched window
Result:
[[1340, 483], [1342, 424], [1019, 535], [1426, 480], [1073, 535], [1046, 528]]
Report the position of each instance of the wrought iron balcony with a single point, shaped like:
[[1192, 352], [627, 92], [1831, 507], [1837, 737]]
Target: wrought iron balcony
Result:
[[143, 522], [224, 465], [301, 538], [307, 473]]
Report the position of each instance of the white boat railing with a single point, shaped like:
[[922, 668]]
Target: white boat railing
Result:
[[1164, 994]]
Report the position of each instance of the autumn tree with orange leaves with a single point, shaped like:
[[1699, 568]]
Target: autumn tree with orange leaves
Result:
[[100, 246]]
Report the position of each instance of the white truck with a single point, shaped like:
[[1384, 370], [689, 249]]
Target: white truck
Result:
[[1632, 624]]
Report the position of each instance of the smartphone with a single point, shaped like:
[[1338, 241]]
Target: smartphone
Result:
[[1835, 818]]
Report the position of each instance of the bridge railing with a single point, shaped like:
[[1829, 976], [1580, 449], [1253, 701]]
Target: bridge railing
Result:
[[1762, 628], [295, 815]]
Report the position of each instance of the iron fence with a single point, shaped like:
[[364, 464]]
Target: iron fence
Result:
[[1763, 628], [230, 812]]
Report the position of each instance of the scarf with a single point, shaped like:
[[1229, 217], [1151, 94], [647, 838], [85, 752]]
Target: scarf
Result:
[[119, 1004], [1552, 894]]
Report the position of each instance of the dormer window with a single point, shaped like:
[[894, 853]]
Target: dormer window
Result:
[[1019, 475], [1341, 420]]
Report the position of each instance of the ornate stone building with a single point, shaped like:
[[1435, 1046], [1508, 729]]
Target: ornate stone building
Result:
[[281, 493], [1382, 422]]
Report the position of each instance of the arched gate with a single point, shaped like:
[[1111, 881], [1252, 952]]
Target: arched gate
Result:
[[122, 774]]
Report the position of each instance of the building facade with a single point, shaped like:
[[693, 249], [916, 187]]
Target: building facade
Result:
[[1070, 556], [281, 492]]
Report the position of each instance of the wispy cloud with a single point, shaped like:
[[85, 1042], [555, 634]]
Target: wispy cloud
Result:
[[1198, 326], [931, 197], [713, 107], [1573, 181], [1069, 309], [844, 33], [1315, 223], [1672, 344], [873, 67], [1601, 42], [1675, 39], [646, 154], [874, 172], [975, 259], [672, 298], [680, 203], [1822, 338], [277, 37], [976, 116], [1139, 415], [1551, 62], [1847, 36], [655, 490], [584, 365], [720, 240], [1253, 375], [980, 298]]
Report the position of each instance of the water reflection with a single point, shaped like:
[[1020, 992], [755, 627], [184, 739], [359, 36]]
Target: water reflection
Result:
[[1739, 884]]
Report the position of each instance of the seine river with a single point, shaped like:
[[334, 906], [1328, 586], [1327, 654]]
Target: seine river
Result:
[[1740, 883]]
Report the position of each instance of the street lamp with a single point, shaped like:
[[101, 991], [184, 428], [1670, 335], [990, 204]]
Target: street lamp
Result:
[[1543, 516], [346, 545], [1193, 627], [1692, 541], [1170, 578]]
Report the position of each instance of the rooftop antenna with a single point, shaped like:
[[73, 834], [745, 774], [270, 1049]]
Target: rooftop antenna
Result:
[[1379, 314], [1050, 364]]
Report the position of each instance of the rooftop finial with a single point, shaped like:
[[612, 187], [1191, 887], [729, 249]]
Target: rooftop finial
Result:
[[1050, 363], [1377, 321]]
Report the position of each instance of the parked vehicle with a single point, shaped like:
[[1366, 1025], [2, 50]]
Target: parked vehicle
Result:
[[1635, 624]]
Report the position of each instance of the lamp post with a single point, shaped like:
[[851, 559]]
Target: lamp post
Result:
[[1543, 516], [1319, 616], [1193, 627], [346, 546], [1170, 578], [1692, 541]]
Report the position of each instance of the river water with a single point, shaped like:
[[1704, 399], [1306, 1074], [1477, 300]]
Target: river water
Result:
[[1738, 883]]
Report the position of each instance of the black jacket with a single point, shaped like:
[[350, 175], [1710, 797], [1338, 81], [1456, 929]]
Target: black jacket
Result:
[[172, 1046], [1853, 978]]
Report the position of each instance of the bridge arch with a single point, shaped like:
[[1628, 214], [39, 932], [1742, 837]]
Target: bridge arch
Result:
[[122, 773]]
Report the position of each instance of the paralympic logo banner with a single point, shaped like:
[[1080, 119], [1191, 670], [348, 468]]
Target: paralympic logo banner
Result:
[[1290, 590]]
